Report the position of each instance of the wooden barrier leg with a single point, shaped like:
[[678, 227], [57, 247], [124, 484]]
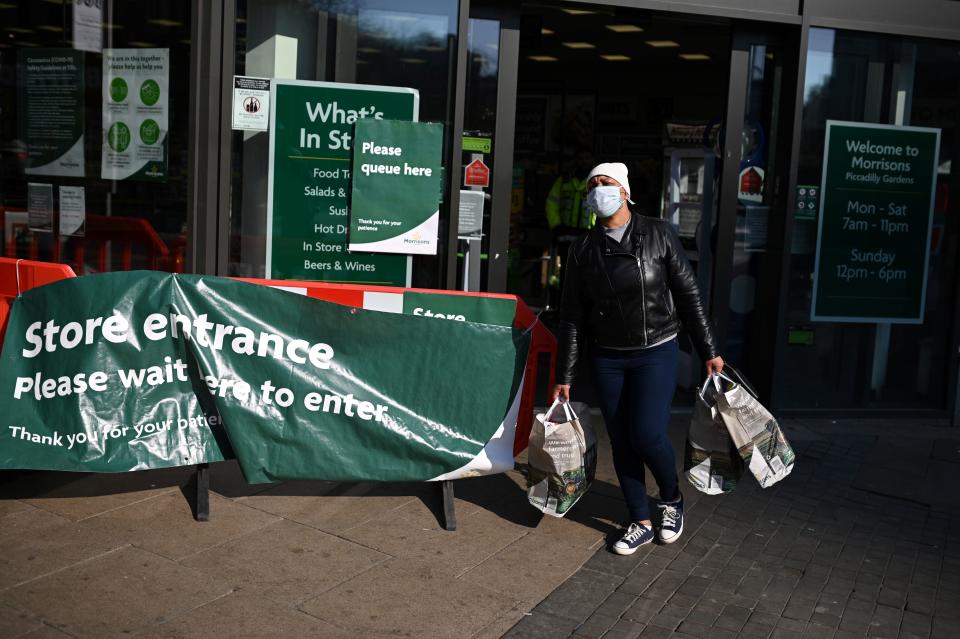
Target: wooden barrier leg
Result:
[[202, 485], [449, 512]]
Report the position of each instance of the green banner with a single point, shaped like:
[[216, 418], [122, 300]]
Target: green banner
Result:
[[395, 204], [876, 212], [311, 142], [136, 370], [51, 115], [463, 308]]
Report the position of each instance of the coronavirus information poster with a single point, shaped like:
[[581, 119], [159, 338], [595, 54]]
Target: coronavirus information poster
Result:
[[136, 101], [51, 104]]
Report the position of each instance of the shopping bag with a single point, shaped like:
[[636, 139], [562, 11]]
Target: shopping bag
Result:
[[711, 462], [753, 429], [562, 459]]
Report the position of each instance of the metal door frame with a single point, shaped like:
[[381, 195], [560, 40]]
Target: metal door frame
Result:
[[508, 15], [772, 295]]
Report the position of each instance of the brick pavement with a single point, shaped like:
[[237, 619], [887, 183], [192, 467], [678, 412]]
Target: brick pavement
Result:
[[862, 540]]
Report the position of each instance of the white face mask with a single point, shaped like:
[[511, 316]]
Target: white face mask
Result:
[[604, 200]]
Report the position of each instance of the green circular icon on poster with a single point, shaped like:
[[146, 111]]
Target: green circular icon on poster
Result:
[[118, 90], [118, 137], [149, 131], [149, 92]]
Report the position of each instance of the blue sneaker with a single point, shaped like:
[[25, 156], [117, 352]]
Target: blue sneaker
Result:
[[671, 520], [636, 536]]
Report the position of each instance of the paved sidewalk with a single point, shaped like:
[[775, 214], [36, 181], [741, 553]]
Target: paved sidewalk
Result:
[[862, 540], [120, 556], [861, 537]]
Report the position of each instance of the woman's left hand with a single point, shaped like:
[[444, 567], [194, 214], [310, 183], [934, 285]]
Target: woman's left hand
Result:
[[714, 365]]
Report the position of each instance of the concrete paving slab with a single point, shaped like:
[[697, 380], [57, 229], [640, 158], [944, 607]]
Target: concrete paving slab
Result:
[[528, 569], [336, 507], [286, 562], [226, 479], [120, 592], [25, 522], [244, 615], [378, 602], [12, 507], [496, 629], [16, 623], [46, 632], [77, 496], [575, 531], [164, 524], [412, 532], [49, 549]]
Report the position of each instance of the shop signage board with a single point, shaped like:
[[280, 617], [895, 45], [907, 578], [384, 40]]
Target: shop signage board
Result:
[[251, 103], [476, 174], [876, 213], [311, 146], [397, 183], [477, 144], [88, 25], [40, 207], [136, 98], [73, 210], [51, 106], [470, 220], [805, 207], [157, 370]]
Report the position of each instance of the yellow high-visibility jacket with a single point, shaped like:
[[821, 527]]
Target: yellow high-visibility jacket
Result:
[[565, 204]]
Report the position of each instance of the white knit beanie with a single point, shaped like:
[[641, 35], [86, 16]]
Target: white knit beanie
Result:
[[615, 170]]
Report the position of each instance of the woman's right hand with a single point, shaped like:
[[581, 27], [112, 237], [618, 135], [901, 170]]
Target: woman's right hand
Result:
[[562, 391]]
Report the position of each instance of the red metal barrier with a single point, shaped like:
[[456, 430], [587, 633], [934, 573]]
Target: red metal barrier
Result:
[[33, 274], [22, 275]]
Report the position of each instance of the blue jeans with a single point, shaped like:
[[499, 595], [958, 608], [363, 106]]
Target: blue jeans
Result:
[[635, 390]]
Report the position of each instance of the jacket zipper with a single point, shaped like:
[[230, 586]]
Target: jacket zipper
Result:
[[643, 295]]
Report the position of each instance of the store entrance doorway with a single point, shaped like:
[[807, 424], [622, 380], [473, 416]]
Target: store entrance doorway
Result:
[[613, 85], [652, 90]]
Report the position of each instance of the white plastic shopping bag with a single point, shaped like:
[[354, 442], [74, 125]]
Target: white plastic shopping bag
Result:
[[754, 430], [562, 458]]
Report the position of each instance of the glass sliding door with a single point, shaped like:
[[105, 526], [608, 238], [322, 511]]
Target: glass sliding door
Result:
[[755, 169], [884, 80]]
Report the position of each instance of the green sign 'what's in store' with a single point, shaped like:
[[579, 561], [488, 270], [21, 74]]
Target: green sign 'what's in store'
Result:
[[876, 211], [311, 145]]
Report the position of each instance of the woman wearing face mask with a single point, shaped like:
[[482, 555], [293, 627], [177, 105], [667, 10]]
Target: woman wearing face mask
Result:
[[627, 288]]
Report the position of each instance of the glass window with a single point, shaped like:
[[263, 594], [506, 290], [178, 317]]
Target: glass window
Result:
[[886, 80], [94, 133], [370, 42]]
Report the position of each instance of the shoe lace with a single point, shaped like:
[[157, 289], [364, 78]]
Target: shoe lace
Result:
[[670, 515], [634, 532]]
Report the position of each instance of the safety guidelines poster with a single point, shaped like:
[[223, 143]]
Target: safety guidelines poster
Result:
[[136, 101]]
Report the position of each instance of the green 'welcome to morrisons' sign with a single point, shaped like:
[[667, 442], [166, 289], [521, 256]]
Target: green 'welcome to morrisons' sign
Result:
[[876, 212], [311, 144]]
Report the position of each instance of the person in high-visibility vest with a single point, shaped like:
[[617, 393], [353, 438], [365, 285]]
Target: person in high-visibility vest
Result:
[[565, 211]]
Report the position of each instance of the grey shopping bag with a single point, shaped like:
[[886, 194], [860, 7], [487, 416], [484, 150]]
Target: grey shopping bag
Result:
[[562, 458], [711, 461]]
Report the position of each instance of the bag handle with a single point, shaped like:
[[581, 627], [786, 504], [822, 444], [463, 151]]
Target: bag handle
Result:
[[567, 410], [715, 378]]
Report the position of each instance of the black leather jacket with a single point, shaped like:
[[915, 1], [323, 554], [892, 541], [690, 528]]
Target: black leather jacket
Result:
[[629, 294]]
